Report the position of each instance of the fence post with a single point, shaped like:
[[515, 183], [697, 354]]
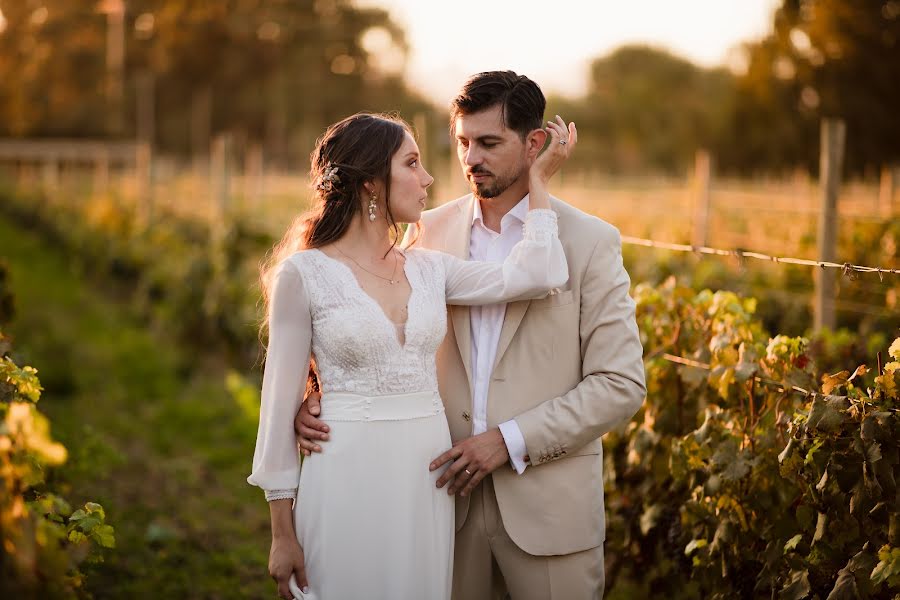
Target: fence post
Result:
[[253, 177], [219, 180], [831, 158], [886, 191], [144, 184], [702, 176], [100, 184]]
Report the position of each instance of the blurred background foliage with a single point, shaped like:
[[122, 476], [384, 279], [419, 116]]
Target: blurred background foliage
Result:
[[276, 72]]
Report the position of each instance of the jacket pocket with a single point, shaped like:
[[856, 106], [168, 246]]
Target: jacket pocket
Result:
[[561, 299]]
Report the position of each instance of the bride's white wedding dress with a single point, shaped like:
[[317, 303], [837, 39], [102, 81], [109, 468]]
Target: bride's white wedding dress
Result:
[[370, 520]]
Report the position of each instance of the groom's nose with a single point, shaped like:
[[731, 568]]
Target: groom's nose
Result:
[[473, 156]]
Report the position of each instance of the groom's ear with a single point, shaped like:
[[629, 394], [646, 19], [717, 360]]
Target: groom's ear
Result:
[[534, 142]]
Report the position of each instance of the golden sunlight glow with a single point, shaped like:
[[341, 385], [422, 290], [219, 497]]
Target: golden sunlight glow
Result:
[[554, 42]]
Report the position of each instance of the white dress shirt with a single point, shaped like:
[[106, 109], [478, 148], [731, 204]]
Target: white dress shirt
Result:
[[487, 321]]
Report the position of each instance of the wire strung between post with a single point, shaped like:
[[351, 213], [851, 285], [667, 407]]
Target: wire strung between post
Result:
[[847, 269]]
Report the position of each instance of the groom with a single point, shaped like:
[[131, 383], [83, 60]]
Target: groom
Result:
[[529, 387]]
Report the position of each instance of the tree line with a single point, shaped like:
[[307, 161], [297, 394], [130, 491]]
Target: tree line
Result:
[[275, 73]]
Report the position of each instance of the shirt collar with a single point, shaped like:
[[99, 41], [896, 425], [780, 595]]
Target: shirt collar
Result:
[[518, 212]]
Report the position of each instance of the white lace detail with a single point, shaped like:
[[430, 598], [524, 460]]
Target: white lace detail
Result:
[[280, 495], [319, 309], [355, 345]]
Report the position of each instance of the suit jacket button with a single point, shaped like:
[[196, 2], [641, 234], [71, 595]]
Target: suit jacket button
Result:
[[466, 416]]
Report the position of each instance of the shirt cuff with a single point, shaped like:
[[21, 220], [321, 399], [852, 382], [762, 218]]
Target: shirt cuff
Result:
[[515, 444], [540, 224], [280, 494]]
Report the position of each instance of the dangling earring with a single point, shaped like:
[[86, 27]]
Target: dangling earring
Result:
[[372, 206]]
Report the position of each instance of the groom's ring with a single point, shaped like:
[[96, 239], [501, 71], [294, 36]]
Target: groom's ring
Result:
[[563, 142], [467, 472]]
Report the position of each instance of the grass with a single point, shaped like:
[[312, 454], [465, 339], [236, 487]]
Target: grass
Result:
[[152, 434]]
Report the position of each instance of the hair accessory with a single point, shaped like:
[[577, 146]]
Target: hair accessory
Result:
[[372, 206], [328, 179]]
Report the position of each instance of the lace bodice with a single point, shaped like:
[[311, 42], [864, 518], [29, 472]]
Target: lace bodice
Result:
[[355, 345], [319, 310]]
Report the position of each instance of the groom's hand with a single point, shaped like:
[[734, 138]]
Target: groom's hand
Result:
[[308, 427], [473, 459]]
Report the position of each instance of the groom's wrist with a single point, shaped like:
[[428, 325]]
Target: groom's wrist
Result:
[[515, 445]]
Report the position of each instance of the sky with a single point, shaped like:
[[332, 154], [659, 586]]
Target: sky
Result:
[[554, 41]]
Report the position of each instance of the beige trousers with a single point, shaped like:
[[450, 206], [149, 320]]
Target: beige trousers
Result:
[[488, 565]]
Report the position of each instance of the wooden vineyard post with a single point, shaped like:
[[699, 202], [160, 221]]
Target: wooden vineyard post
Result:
[[886, 191], [219, 179], [702, 176], [144, 184], [831, 160]]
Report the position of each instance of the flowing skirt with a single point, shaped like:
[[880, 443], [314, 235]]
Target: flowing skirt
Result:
[[368, 515]]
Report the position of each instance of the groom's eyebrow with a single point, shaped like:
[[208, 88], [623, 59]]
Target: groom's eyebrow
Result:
[[484, 138]]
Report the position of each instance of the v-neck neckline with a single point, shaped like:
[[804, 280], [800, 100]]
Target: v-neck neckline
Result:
[[392, 324]]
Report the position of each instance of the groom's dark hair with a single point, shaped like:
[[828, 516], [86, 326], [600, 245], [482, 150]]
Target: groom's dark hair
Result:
[[521, 101]]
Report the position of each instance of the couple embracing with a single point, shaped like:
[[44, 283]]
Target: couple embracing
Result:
[[466, 374]]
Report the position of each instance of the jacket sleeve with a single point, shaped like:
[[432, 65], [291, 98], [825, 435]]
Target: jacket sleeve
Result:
[[613, 385]]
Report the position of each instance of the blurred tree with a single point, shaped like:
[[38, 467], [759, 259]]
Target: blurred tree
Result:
[[648, 110], [824, 58], [52, 68], [274, 71]]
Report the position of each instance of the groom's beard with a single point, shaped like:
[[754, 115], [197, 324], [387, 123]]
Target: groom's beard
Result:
[[493, 187]]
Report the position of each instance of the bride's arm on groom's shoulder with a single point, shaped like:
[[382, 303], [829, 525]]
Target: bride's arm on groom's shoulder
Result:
[[537, 263], [563, 140], [613, 385]]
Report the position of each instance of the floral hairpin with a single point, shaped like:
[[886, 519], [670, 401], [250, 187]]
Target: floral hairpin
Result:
[[328, 179]]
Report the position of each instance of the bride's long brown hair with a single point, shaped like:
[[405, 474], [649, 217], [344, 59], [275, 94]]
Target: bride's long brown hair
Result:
[[360, 148]]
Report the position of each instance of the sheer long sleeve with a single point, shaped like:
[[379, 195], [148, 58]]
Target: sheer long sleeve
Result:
[[276, 461], [534, 266]]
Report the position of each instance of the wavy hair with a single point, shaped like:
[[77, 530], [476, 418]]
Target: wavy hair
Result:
[[351, 152]]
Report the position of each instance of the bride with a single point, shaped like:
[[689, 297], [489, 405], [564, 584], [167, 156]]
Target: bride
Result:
[[366, 520]]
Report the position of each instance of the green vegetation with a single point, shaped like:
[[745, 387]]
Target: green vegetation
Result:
[[746, 474], [42, 540], [156, 439]]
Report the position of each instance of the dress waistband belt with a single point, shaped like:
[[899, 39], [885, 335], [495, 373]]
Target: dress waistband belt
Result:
[[343, 406]]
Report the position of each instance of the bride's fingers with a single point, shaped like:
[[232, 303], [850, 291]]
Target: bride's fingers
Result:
[[573, 134], [553, 129]]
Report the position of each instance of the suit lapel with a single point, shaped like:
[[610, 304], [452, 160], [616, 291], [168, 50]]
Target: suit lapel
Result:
[[456, 242], [515, 312]]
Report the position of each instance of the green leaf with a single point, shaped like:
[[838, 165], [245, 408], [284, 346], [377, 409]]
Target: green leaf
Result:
[[76, 537], [103, 535], [650, 517], [78, 515], [827, 414], [787, 450], [805, 516], [821, 525], [694, 545], [845, 586], [797, 587], [791, 544]]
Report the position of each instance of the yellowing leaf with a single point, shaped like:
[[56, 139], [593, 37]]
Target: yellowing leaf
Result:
[[829, 382], [894, 350]]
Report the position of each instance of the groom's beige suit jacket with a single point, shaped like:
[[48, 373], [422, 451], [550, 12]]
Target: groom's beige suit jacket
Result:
[[568, 369]]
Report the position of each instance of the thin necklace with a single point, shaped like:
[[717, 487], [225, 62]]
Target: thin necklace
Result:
[[390, 280]]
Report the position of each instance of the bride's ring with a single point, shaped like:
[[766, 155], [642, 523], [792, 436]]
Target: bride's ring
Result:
[[563, 142], [467, 472]]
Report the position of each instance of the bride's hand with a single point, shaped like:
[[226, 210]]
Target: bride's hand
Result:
[[286, 559], [557, 152]]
